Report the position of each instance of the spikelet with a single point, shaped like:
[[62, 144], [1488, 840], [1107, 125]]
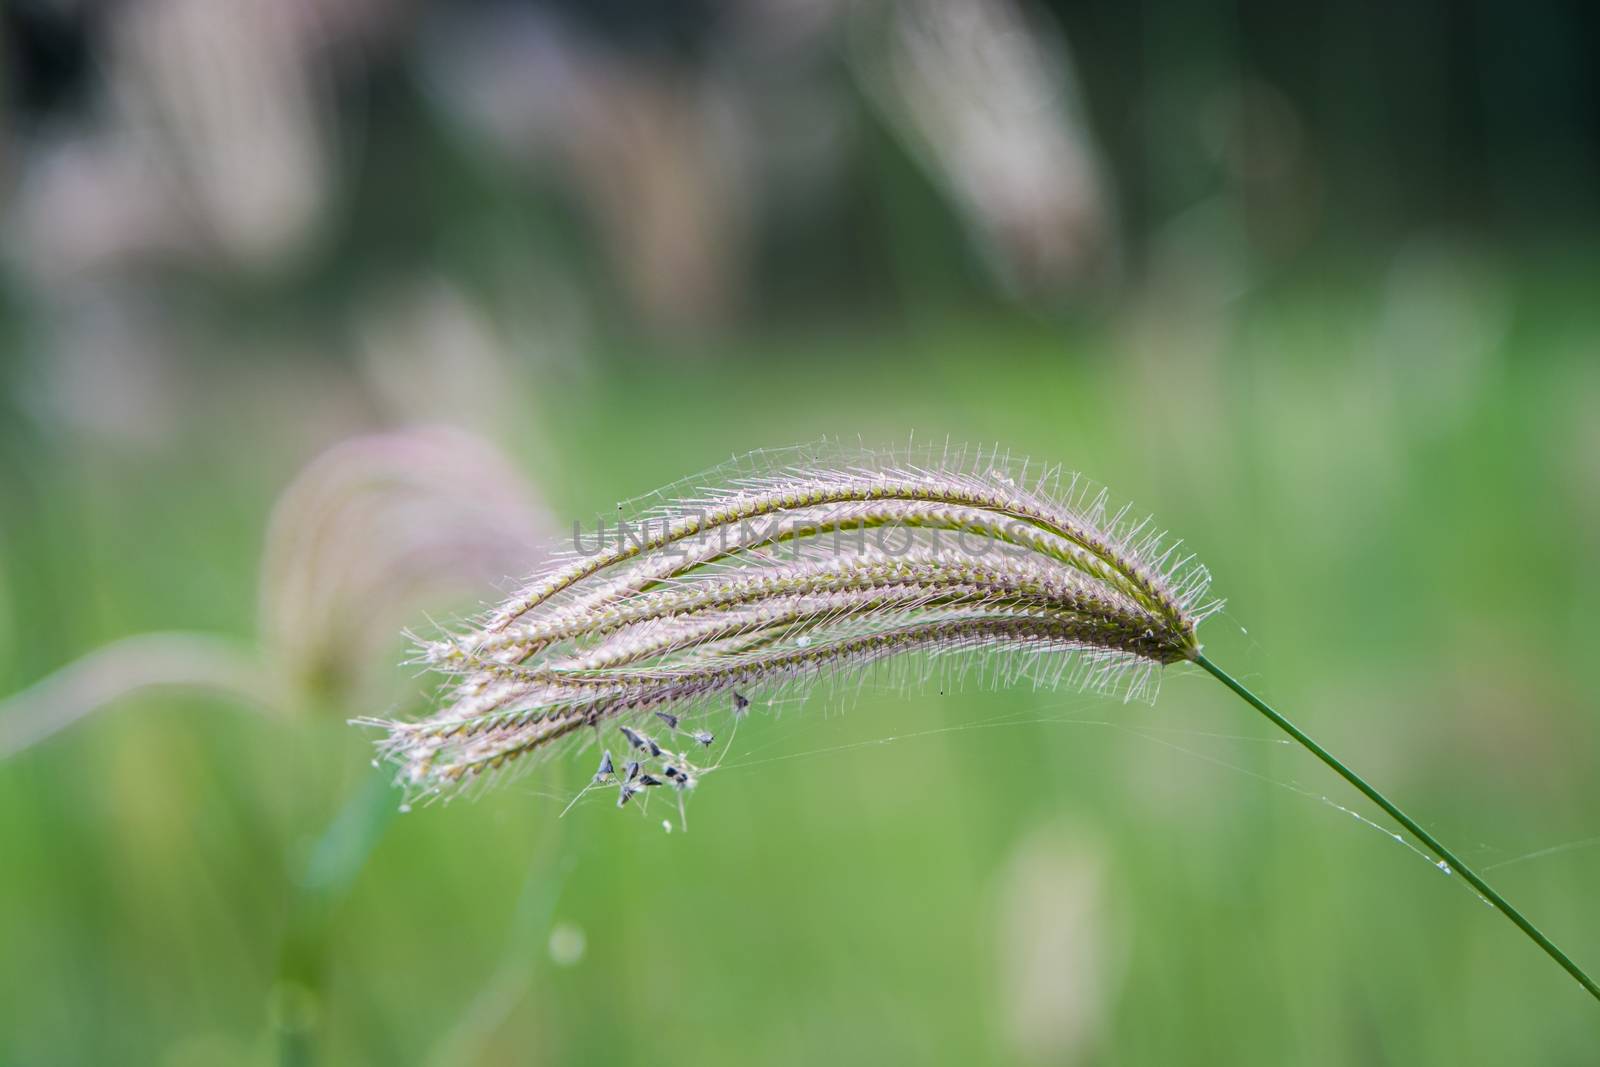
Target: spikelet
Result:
[[780, 569]]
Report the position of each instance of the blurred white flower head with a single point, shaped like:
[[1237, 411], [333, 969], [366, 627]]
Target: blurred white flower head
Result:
[[987, 100], [228, 95], [377, 529]]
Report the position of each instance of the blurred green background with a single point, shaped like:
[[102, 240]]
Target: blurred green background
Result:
[[1315, 283]]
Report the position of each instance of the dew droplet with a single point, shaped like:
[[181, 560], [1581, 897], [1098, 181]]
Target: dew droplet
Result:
[[666, 824], [1445, 867], [405, 809], [567, 944]]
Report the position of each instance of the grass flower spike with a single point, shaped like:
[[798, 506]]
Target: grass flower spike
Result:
[[779, 570], [785, 568]]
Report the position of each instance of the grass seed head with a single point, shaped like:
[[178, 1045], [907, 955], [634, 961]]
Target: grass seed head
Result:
[[782, 569]]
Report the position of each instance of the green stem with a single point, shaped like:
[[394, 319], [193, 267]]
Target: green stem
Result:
[[1449, 858]]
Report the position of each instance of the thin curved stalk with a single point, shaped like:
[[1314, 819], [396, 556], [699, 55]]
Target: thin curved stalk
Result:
[[1449, 858], [126, 666]]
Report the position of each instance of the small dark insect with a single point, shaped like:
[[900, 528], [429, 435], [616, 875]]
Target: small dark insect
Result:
[[633, 737], [627, 790], [649, 779], [705, 737], [632, 771], [741, 705], [670, 719]]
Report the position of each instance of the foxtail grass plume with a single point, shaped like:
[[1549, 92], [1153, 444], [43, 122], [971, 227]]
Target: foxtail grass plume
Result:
[[781, 569]]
